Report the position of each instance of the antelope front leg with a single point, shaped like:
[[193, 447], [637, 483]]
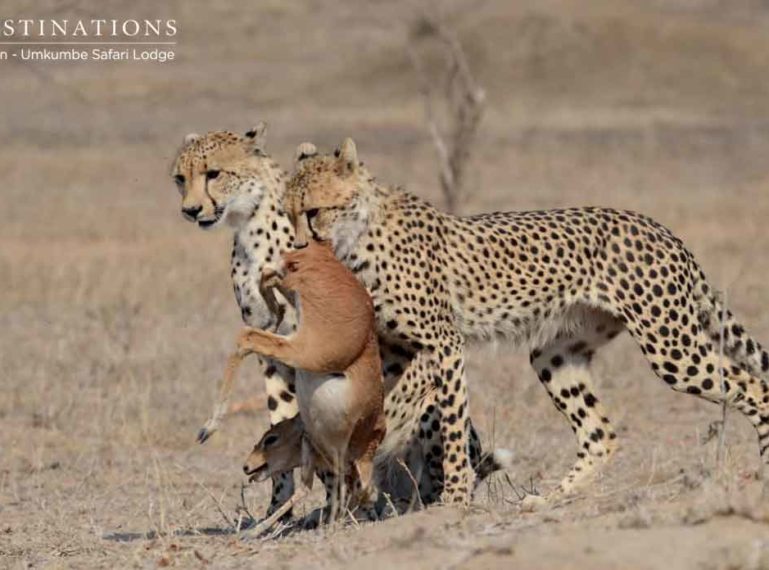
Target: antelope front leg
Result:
[[270, 345], [269, 281], [225, 390]]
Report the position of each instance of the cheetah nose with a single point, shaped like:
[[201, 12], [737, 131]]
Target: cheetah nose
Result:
[[192, 213], [245, 469]]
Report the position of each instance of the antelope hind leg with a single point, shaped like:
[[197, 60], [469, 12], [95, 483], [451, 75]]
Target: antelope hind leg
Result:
[[225, 390]]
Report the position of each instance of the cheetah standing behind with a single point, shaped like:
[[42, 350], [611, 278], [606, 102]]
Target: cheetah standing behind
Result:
[[563, 282]]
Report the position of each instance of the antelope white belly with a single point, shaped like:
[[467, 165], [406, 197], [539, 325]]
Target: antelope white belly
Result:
[[324, 404]]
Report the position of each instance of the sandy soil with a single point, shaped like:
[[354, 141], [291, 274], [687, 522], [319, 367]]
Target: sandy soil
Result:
[[116, 315]]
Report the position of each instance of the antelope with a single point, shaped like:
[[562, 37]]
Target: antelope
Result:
[[339, 387]]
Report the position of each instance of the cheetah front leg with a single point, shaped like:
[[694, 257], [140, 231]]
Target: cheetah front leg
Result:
[[281, 405], [431, 455], [438, 368], [563, 367], [448, 361]]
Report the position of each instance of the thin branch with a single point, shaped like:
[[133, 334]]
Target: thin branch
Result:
[[465, 101], [217, 502], [413, 481], [445, 174], [389, 500], [243, 509]]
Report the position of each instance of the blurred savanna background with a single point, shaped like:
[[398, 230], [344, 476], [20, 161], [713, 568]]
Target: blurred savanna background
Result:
[[116, 314]]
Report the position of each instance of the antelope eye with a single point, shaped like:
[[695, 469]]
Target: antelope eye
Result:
[[212, 174], [179, 179], [270, 440], [312, 213]]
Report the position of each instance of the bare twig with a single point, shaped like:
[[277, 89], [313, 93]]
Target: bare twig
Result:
[[243, 509], [522, 492], [465, 101], [532, 490], [351, 516], [413, 481], [389, 500], [217, 502]]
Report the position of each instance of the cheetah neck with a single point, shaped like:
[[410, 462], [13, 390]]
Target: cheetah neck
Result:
[[257, 243], [261, 185], [266, 233], [367, 212]]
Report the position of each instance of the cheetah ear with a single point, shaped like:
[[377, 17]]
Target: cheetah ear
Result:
[[258, 134], [305, 150], [348, 154], [191, 138]]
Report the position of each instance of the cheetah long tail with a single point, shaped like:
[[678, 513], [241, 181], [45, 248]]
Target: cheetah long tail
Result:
[[746, 351], [497, 460]]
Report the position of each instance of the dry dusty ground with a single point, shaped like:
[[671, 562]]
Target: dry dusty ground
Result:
[[115, 315]]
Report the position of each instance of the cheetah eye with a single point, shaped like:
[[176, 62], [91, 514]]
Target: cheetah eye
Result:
[[179, 179], [312, 213], [212, 174]]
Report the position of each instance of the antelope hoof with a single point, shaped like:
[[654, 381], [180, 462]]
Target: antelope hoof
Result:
[[204, 434]]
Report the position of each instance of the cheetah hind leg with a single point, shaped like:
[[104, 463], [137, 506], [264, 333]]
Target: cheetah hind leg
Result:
[[563, 368]]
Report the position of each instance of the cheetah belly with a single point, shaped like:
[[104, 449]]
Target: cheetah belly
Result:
[[324, 404]]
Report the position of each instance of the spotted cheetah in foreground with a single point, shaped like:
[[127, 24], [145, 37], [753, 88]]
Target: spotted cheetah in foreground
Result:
[[563, 282], [226, 178]]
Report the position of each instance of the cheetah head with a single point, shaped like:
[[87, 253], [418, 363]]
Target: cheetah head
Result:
[[218, 175], [324, 197]]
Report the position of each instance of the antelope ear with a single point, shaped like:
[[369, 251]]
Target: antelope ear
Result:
[[305, 150], [258, 134], [348, 153], [191, 138]]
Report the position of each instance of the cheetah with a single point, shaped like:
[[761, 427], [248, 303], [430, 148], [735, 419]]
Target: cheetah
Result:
[[225, 178], [228, 179], [561, 282]]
